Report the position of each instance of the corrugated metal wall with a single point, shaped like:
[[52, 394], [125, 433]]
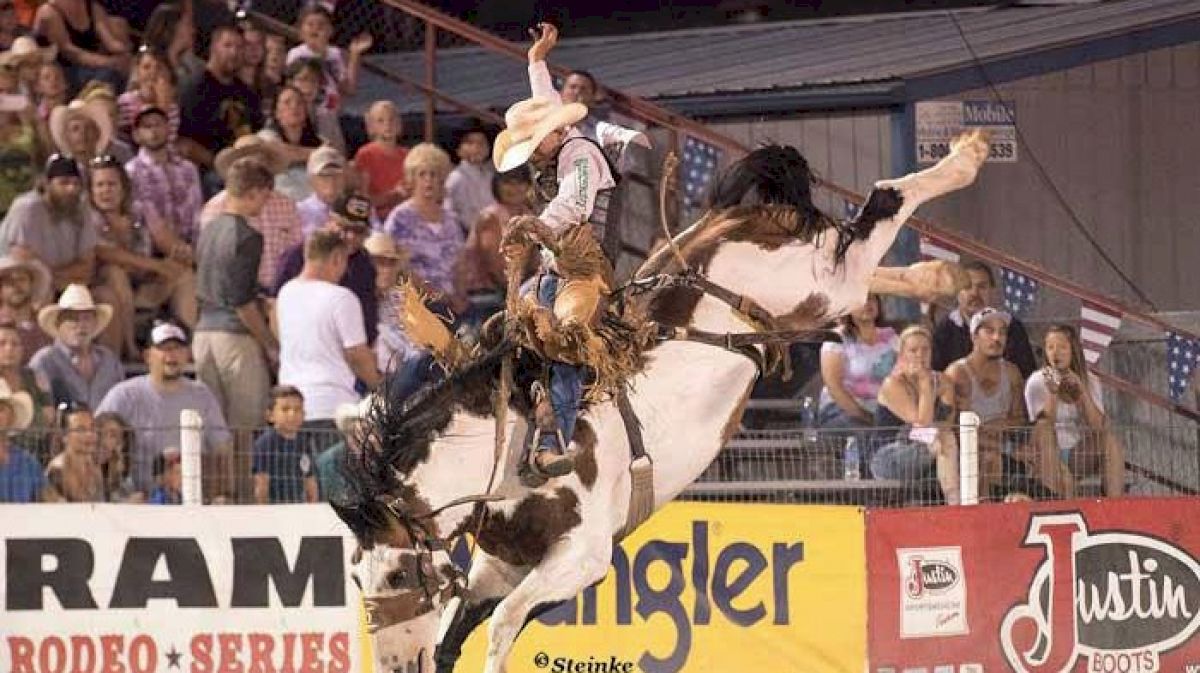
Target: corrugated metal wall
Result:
[[1120, 140]]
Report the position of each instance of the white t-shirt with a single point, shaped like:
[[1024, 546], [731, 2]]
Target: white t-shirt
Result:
[[317, 322], [1069, 422]]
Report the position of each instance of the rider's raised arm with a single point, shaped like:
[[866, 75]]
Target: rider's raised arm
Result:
[[541, 84]]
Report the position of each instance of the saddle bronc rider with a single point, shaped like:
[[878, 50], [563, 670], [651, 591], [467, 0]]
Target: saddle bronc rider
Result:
[[571, 174]]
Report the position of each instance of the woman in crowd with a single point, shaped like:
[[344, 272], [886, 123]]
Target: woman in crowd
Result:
[[74, 474], [920, 402], [153, 86], [50, 92], [138, 279], [305, 75], [295, 137], [19, 378], [112, 454], [171, 31], [87, 47], [1071, 433], [854, 369]]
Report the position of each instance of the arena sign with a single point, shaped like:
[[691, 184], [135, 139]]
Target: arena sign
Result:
[[138, 588], [938, 122], [1096, 586]]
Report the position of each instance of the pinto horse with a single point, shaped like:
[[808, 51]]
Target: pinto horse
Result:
[[428, 473]]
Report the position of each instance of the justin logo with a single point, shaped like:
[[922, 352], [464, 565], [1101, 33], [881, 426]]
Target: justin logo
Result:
[[933, 593], [1119, 600]]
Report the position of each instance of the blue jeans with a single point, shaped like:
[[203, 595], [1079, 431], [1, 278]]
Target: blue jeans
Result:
[[903, 460], [566, 381]]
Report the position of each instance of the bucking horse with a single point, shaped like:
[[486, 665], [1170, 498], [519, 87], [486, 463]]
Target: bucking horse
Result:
[[762, 261]]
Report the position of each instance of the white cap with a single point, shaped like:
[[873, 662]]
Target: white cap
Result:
[[166, 331], [988, 314]]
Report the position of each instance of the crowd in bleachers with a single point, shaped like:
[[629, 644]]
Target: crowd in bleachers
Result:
[[175, 211]]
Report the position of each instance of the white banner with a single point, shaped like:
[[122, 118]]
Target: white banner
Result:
[[143, 588], [938, 122]]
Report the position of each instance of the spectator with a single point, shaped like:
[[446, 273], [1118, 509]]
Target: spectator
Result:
[[168, 478], [21, 148], [951, 340], [284, 468], [112, 454], [51, 92], [234, 347], [327, 173], [87, 47], [77, 369], [21, 477], [295, 139], [274, 65], [254, 54], [74, 474], [340, 75], [171, 31], [392, 347], [330, 461], [854, 370], [11, 30], [304, 75], [105, 100], [218, 108], [152, 403], [323, 341], [425, 228], [469, 187], [279, 223], [381, 161], [81, 130], [989, 385], [921, 402], [167, 186], [1071, 435], [19, 378], [26, 58], [350, 220], [154, 88], [24, 288], [138, 278], [482, 263]]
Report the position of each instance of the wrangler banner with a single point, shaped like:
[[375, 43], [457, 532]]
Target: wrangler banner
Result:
[[144, 589], [713, 587], [1077, 586]]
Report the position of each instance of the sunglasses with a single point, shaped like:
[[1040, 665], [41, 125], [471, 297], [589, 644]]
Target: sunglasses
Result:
[[105, 161]]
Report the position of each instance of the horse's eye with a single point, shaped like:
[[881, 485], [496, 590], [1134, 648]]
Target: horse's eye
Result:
[[396, 579]]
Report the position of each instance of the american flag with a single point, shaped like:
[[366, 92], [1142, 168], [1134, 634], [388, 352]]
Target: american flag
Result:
[[1183, 355], [1097, 325], [699, 166], [931, 251], [1020, 291]]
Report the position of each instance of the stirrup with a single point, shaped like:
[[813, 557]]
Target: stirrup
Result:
[[531, 473]]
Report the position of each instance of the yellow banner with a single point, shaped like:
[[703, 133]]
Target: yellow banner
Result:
[[713, 587]]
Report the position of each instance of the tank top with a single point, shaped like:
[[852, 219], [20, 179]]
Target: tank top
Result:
[[886, 418], [994, 406], [87, 39]]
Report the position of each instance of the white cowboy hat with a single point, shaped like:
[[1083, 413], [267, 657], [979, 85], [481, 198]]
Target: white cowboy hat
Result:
[[250, 146], [527, 123], [94, 111], [381, 244], [21, 404], [41, 276], [25, 48], [75, 298]]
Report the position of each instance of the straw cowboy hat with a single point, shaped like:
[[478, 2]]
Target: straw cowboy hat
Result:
[[527, 123], [21, 404], [250, 146], [41, 277], [75, 298], [94, 111], [381, 244], [26, 48]]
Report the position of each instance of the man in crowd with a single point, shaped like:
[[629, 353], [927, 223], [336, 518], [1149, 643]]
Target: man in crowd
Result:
[[327, 175], [219, 107], [952, 340], [153, 402], [167, 184], [350, 219], [323, 341], [77, 368]]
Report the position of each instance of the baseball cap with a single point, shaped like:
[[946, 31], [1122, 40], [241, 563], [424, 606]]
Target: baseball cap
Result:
[[353, 209], [986, 314], [59, 166], [146, 112], [326, 160], [165, 331]]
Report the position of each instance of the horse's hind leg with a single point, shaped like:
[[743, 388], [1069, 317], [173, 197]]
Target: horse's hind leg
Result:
[[489, 581], [569, 567]]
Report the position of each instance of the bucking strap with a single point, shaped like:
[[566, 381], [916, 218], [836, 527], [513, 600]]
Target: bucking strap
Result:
[[641, 470]]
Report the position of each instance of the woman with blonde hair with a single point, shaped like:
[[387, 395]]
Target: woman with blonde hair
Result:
[[920, 402]]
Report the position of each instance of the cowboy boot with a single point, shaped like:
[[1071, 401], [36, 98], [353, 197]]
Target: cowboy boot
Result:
[[546, 461]]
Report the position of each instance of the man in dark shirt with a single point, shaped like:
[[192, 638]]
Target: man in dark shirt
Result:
[[219, 107], [350, 217], [233, 345], [951, 338]]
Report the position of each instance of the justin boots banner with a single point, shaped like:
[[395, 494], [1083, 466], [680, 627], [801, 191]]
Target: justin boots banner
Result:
[[1083, 586]]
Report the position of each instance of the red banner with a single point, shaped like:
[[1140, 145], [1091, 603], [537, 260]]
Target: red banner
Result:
[[1080, 586]]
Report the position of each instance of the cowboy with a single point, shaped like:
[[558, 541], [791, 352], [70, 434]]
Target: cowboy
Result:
[[81, 130], [571, 172], [78, 369]]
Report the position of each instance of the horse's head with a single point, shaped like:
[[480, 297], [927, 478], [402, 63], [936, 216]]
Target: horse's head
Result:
[[406, 577]]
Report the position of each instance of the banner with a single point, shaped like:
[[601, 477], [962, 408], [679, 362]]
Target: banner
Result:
[[939, 122], [1109, 586], [713, 587], [143, 588]]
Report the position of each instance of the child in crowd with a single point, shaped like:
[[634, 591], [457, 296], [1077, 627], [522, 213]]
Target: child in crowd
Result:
[[469, 187], [381, 161], [339, 75], [283, 467], [168, 470], [112, 454]]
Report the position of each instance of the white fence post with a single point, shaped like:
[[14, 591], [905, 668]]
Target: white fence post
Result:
[[190, 438], [968, 458]]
